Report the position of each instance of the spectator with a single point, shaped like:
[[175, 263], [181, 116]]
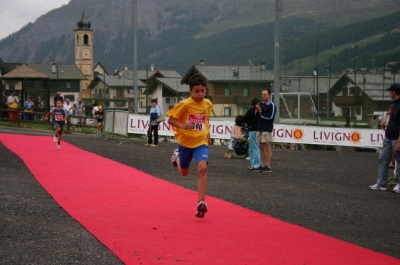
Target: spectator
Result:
[[58, 97], [265, 123], [13, 101], [67, 105], [28, 109], [80, 112], [384, 124], [250, 120], [155, 112], [391, 145], [99, 118]]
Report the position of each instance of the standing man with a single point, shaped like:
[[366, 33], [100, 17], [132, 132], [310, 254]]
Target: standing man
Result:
[[80, 112], [57, 98], [390, 144], [265, 113]]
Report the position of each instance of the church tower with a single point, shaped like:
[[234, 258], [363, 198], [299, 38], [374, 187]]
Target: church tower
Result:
[[84, 50]]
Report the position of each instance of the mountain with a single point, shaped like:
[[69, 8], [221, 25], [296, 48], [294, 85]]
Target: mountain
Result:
[[176, 34]]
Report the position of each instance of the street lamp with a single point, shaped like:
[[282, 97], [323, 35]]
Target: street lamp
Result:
[[315, 73], [327, 66], [54, 70]]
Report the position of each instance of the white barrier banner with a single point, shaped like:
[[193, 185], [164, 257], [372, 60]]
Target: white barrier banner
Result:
[[282, 133]]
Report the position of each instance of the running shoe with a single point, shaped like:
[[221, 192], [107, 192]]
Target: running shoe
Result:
[[55, 139], [58, 146], [396, 189], [175, 157], [266, 169], [377, 187], [201, 209]]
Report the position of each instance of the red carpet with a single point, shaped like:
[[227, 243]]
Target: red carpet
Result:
[[145, 220]]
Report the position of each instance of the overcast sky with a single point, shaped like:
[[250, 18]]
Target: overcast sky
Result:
[[14, 14]]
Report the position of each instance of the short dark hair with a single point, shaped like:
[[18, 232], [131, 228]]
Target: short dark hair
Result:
[[255, 101], [197, 80], [239, 120]]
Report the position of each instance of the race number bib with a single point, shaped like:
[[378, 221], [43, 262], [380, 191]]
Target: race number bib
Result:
[[198, 121], [58, 117]]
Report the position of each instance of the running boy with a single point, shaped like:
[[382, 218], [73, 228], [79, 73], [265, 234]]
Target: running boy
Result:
[[190, 119], [59, 117]]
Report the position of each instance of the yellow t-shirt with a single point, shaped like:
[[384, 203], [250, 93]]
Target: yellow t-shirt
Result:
[[198, 113]]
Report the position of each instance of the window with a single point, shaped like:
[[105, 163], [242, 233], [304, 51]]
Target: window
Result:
[[227, 111], [227, 92], [71, 97], [167, 100], [68, 85], [245, 92], [86, 39], [120, 93]]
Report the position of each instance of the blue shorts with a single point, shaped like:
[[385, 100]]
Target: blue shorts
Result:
[[186, 154], [58, 125]]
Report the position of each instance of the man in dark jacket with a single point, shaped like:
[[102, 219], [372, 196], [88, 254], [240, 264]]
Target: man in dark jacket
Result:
[[265, 123], [390, 142]]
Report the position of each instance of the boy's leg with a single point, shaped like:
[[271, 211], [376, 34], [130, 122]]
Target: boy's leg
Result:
[[201, 157], [202, 179], [181, 159]]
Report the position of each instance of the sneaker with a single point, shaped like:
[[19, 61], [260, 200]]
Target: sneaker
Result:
[[154, 145], [58, 146], [201, 209], [377, 187], [175, 157], [396, 189], [266, 169], [257, 168], [147, 144], [55, 139]]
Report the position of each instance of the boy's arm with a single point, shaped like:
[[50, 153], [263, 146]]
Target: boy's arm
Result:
[[172, 121], [47, 115]]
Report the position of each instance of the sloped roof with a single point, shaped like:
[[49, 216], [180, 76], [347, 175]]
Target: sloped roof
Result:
[[118, 81], [373, 84], [147, 74], [24, 72], [173, 84], [65, 72], [308, 84], [230, 73]]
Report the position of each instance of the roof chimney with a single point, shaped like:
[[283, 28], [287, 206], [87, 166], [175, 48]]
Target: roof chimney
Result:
[[152, 68], [202, 62], [126, 68], [262, 66]]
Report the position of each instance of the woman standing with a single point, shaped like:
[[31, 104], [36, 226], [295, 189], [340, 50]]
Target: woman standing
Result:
[[12, 101], [155, 112], [250, 120]]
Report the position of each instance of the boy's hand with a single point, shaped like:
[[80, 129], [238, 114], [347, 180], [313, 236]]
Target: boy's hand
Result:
[[188, 125]]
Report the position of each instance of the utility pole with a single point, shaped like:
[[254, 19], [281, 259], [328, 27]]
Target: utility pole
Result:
[[135, 77], [277, 67]]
